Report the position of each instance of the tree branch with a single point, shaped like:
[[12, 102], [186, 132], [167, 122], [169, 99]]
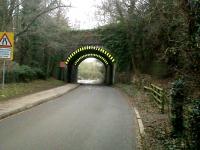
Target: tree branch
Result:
[[36, 17]]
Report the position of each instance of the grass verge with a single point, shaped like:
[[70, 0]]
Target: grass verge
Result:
[[15, 90], [157, 127]]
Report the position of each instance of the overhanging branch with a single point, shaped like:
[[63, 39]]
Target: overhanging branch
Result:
[[36, 17]]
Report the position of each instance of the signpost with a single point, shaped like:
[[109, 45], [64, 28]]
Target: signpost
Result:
[[6, 49], [62, 64]]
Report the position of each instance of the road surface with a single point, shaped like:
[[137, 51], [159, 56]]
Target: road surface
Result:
[[88, 118]]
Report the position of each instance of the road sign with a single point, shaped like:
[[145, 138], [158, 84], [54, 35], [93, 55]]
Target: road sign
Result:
[[62, 64], [6, 45], [5, 53], [4, 41], [6, 49]]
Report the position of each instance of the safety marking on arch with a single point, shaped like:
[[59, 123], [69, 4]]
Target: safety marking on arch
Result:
[[95, 48], [92, 55]]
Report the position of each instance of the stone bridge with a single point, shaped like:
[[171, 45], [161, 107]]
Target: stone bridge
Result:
[[82, 45]]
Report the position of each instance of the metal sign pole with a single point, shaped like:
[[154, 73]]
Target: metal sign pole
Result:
[[4, 69]]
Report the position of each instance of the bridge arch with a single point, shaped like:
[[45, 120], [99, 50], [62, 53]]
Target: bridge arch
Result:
[[76, 57]]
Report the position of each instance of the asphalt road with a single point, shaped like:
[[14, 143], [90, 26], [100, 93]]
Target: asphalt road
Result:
[[88, 118]]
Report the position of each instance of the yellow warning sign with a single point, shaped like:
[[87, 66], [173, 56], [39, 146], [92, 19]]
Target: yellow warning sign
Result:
[[7, 45]]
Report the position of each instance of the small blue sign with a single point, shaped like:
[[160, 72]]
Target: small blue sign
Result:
[[5, 53]]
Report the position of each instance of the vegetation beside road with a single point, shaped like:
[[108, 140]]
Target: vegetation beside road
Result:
[[14, 90], [157, 125], [178, 128]]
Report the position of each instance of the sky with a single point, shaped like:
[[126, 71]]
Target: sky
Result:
[[82, 13], [89, 60]]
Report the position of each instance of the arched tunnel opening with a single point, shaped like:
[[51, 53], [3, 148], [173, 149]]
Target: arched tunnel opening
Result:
[[91, 71], [75, 58]]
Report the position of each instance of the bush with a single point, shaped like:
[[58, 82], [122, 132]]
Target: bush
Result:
[[39, 73], [10, 77], [24, 73], [194, 125], [178, 96]]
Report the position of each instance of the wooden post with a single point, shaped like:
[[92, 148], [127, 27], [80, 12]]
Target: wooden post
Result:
[[163, 103]]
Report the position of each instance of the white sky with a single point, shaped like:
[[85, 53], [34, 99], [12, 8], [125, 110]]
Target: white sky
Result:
[[89, 60], [82, 13]]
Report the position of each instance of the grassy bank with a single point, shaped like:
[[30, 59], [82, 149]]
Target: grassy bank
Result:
[[15, 90], [157, 127]]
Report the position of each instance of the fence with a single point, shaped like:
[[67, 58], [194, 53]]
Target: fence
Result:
[[158, 95]]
